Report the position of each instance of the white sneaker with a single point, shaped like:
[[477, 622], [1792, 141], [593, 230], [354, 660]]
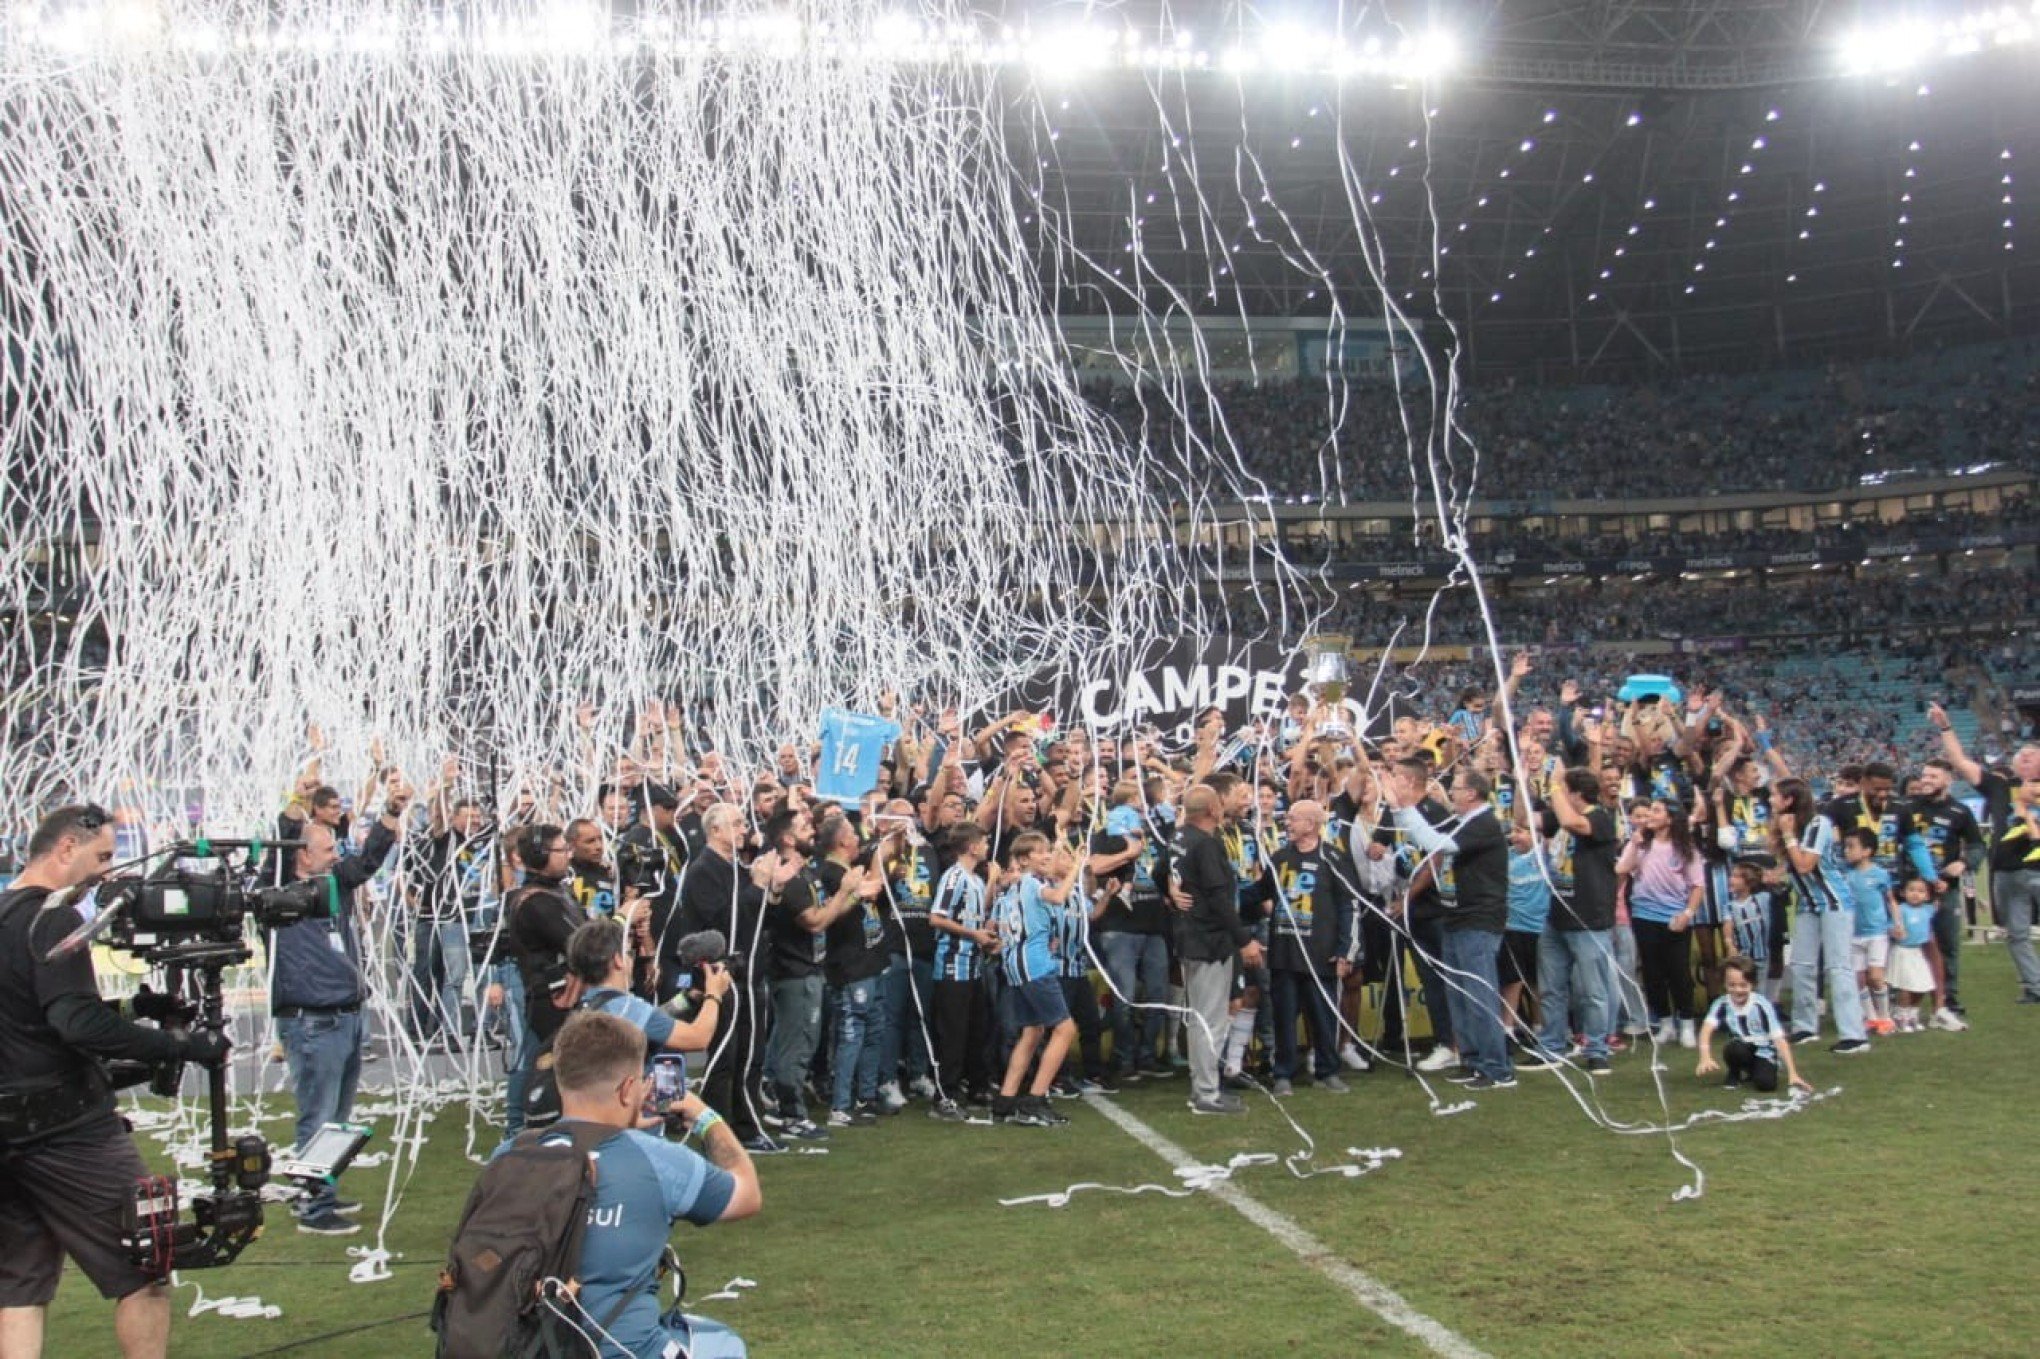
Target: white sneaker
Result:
[[922, 1087], [1440, 1059], [1949, 1020], [1667, 1033], [890, 1095], [1689, 1037], [1355, 1059]]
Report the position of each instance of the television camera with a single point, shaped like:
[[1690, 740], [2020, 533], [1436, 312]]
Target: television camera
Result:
[[189, 916]]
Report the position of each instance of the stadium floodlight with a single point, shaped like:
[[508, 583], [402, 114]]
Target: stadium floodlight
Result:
[[1435, 54], [1885, 49]]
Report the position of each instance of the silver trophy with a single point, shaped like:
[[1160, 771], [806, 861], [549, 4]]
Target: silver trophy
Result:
[[1327, 669]]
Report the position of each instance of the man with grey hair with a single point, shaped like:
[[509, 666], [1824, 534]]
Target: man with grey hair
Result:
[[1468, 859], [1313, 943], [717, 894]]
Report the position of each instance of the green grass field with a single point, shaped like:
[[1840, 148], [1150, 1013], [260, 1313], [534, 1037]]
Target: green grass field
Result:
[[1885, 1220]]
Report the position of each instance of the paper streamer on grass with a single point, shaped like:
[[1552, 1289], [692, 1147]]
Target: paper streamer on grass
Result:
[[232, 1308], [1200, 1177]]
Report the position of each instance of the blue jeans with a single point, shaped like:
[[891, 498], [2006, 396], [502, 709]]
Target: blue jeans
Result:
[[1572, 978], [1285, 988], [1138, 965], [325, 1067], [523, 1050], [1624, 991], [796, 1028], [1428, 935], [1820, 943], [1476, 1001], [909, 998], [439, 970], [860, 1039], [510, 1014]]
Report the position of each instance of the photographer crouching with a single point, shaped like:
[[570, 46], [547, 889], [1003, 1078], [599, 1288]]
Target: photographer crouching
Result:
[[68, 1166]]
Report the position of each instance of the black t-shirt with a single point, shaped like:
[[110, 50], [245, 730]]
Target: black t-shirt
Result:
[[541, 920], [31, 1054], [1001, 837], [856, 939], [1995, 788], [1664, 776], [796, 950], [915, 871], [1945, 826], [1211, 929], [38, 995], [458, 867], [1587, 863], [1891, 826], [1473, 880], [1311, 922], [1429, 904]]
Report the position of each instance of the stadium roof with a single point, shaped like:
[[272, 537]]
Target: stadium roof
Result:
[[1610, 187]]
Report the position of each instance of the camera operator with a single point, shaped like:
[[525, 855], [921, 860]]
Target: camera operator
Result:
[[650, 856], [67, 1166], [316, 990], [538, 919]]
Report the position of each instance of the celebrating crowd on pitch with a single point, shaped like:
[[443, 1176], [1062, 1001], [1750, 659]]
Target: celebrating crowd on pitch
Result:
[[1014, 914]]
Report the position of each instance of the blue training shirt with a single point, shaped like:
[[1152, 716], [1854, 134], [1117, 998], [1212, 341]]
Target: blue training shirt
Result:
[[1529, 893], [643, 1185], [656, 1024], [1869, 886], [1027, 933]]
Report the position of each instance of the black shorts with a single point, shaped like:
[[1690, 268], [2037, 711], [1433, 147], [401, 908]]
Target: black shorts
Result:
[[68, 1194], [1518, 962]]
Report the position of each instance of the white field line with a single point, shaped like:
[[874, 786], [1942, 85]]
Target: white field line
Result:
[[1364, 1288]]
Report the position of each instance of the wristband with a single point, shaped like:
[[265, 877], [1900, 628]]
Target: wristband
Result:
[[700, 1126]]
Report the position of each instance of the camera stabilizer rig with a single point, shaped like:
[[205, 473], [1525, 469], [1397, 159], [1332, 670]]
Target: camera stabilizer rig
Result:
[[192, 923]]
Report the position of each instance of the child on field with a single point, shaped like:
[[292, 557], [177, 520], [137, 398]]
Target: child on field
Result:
[[1747, 915], [1908, 972], [1756, 1043], [1877, 924]]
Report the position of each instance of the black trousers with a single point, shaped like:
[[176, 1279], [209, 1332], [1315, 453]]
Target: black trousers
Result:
[[963, 1037], [735, 1084], [1666, 955], [1082, 998], [1744, 1065]]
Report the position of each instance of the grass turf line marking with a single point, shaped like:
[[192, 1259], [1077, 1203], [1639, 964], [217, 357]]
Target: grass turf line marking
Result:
[[1376, 1296]]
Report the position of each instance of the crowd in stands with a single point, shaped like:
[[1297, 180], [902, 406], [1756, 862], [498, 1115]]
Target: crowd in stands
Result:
[[1797, 431], [1580, 614]]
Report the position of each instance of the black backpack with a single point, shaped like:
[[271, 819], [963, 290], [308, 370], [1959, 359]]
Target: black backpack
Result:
[[510, 1286], [542, 1093]]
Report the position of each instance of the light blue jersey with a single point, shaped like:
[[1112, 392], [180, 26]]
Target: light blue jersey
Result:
[[1529, 893], [1869, 889], [643, 1185], [1028, 927]]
